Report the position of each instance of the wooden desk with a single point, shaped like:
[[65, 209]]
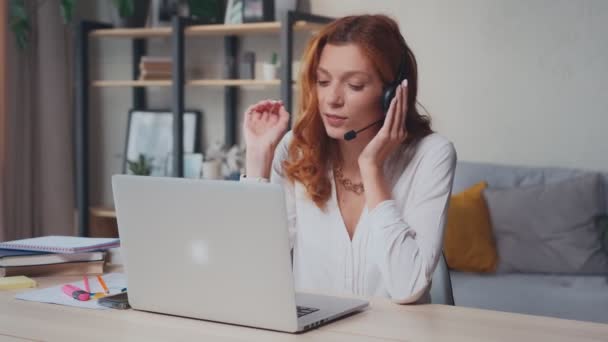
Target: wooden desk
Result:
[[383, 321]]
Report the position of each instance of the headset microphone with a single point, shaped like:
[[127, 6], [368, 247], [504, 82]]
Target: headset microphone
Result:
[[350, 135]]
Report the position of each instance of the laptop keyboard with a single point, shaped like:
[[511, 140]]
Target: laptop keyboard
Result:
[[303, 311]]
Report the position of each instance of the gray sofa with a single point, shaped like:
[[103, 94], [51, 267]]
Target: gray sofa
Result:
[[569, 296]]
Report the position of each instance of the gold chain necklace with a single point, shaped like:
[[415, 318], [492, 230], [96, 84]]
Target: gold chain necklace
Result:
[[347, 183]]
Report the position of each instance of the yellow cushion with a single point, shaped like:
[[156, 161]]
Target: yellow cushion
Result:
[[469, 242]]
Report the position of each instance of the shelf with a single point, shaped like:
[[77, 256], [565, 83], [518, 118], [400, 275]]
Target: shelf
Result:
[[102, 212], [237, 29], [131, 83], [146, 32], [203, 30], [193, 83], [222, 83]]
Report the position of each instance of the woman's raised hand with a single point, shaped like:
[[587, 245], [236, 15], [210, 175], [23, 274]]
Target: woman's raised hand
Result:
[[264, 125]]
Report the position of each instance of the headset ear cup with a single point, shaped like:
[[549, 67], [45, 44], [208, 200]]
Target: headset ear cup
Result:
[[387, 98]]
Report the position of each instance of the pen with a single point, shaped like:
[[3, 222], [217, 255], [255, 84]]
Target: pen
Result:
[[86, 284], [103, 284]]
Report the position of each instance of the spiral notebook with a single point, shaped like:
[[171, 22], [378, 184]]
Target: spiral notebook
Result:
[[61, 244]]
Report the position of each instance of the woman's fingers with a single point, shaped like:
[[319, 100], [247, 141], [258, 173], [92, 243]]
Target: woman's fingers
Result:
[[249, 115], [266, 106], [266, 113], [283, 114], [405, 107], [276, 106], [392, 115], [264, 110], [385, 129], [398, 128]]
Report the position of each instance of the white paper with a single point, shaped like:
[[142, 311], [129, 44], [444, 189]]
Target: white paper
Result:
[[54, 295]]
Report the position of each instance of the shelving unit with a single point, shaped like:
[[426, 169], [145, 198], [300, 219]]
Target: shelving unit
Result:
[[178, 32]]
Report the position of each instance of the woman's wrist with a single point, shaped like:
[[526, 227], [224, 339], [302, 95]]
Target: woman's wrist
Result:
[[258, 162], [369, 169], [375, 185]]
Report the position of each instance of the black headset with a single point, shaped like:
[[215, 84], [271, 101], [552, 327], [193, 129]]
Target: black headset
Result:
[[387, 96], [391, 89]]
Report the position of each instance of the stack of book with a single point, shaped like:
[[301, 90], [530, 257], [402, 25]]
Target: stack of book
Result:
[[155, 68], [54, 255]]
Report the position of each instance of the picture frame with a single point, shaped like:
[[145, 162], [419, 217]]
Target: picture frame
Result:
[[258, 11], [150, 133]]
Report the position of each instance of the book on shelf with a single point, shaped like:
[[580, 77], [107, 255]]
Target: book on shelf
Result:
[[61, 244], [156, 67], [155, 59], [154, 78], [155, 73], [146, 73], [64, 269]]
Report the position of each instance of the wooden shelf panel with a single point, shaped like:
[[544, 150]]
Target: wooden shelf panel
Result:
[[239, 29], [102, 212], [193, 83], [204, 30], [146, 32], [132, 83], [222, 83]]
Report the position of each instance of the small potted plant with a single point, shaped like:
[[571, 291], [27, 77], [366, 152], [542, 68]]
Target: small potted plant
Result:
[[142, 166], [270, 70], [131, 13]]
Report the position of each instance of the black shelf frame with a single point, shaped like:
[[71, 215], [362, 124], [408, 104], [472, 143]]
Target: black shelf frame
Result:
[[139, 101]]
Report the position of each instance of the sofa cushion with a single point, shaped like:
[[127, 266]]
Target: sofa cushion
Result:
[[468, 241], [469, 173], [549, 228]]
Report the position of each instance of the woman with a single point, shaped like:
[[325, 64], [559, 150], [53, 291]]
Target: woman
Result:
[[366, 216]]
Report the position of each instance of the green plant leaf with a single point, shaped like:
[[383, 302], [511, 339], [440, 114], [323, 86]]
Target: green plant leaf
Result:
[[126, 8], [275, 58], [142, 166], [205, 9], [17, 10], [19, 22], [67, 10]]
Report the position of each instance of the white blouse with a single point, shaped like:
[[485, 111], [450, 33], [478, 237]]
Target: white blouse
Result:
[[395, 247]]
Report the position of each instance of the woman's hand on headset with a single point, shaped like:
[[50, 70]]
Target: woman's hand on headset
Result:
[[392, 133], [371, 161]]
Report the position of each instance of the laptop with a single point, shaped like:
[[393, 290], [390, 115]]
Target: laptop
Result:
[[215, 250]]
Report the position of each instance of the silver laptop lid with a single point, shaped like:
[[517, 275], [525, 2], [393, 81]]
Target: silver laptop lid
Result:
[[215, 250]]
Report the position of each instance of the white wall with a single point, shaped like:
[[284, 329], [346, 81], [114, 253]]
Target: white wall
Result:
[[510, 81]]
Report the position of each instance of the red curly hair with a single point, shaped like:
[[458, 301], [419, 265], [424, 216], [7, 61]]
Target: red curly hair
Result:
[[311, 151]]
